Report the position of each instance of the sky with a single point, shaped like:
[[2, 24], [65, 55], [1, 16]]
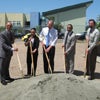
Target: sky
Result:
[[27, 6]]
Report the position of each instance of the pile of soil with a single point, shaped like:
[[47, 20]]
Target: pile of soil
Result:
[[51, 87]]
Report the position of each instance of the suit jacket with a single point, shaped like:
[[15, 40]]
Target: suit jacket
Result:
[[69, 43], [6, 40], [94, 37]]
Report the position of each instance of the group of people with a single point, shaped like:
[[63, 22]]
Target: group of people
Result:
[[48, 39]]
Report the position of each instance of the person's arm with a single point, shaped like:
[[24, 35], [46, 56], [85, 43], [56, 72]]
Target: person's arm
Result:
[[64, 40], [36, 45], [96, 40], [27, 42], [87, 37], [41, 38], [5, 46], [55, 37]]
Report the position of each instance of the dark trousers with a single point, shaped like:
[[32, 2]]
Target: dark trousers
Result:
[[51, 55], [4, 67], [91, 62], [29, 63], [1, 69]]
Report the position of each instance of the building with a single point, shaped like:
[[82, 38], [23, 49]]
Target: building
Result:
[[34, 19], [75, 15], [20, 20], [17, 19]]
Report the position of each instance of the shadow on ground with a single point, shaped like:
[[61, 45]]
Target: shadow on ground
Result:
[[80, 73]]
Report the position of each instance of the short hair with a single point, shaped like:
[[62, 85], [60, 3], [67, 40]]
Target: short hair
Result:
[[93, 21], [9, 23], [70, 25], [51, 21], [33, 29]]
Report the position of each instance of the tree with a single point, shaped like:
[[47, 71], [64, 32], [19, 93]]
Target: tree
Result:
[[98, 18], [58, 27], [98, 23], [2, 29], [51, 18], [98, 26], [38, 28]]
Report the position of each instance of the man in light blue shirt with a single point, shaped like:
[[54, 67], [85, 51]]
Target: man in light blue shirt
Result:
[[48, 38]]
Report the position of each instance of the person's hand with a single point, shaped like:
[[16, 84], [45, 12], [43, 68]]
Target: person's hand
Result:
[[87, 51], [62, 46], [65, 53], [42, 44], [30, 39], [15, 49], [34, 51], [47, 50], [87, 39]]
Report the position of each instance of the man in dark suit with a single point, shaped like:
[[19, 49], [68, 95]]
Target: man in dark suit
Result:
[[6, 52]]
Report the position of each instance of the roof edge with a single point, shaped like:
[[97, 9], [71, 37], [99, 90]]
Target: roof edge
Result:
[[67, 8]]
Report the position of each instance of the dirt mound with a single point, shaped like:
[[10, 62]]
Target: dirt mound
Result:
[[51, 87]]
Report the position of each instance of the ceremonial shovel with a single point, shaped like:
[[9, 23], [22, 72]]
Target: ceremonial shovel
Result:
[[32, 70], [19, 62]]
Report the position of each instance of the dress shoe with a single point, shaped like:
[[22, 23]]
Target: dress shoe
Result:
[[34, 75], [3, 82], [12, 79], [27, 76], [90, 78], [8, 80]]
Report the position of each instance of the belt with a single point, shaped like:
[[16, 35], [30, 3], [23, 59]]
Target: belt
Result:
[[48, 46]]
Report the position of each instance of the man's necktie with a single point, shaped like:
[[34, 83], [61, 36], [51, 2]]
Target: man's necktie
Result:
[[91, 30], [47, 39]]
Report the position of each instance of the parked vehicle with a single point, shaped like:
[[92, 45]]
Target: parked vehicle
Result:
[[19, 35], [81, 36], [60, 35]]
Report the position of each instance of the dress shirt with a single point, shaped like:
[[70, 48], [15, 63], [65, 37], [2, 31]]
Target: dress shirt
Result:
[[53, 36], [93, 37], [32, 40]]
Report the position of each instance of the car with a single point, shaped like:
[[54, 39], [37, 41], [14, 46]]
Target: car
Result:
[[81, 36], [60, 35], [19, 35]]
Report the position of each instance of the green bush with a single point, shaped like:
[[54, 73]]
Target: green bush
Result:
[[2, 29]]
